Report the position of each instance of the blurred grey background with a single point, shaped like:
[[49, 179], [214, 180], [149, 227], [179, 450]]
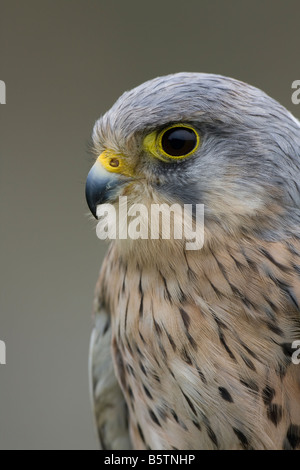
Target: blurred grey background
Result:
[[64, 63]]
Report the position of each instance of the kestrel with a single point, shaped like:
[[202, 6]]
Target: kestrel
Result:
[[192, 349]]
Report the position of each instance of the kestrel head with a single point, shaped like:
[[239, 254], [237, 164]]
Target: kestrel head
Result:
[[192, 138]]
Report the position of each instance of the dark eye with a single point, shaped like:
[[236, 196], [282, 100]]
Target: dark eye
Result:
[[179, 141]]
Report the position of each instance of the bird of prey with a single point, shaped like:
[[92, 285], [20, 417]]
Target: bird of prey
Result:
[[192, 349]]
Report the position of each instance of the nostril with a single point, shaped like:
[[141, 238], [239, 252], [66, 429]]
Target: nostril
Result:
[[114, 162]]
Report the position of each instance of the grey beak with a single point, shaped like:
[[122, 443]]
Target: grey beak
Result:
[[101, 186]]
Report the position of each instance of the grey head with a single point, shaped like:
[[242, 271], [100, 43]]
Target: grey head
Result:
[[246, 170]]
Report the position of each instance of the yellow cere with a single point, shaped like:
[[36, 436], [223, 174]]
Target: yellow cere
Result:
[[153, 143], [115, 163]]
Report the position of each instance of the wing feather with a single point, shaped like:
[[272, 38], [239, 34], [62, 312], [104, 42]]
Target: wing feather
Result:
[[110, 410]]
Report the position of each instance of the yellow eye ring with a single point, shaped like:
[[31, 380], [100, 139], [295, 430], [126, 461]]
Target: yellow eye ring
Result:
[[175, 142]]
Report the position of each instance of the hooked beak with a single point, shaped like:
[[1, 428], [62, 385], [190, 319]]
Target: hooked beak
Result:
[[102, 185]]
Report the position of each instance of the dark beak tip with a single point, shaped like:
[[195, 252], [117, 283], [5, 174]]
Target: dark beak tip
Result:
[[91, 204], [90, 199], [94, 213], [100, 189]]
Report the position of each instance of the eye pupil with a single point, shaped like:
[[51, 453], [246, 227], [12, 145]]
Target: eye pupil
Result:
[[179, 141]]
